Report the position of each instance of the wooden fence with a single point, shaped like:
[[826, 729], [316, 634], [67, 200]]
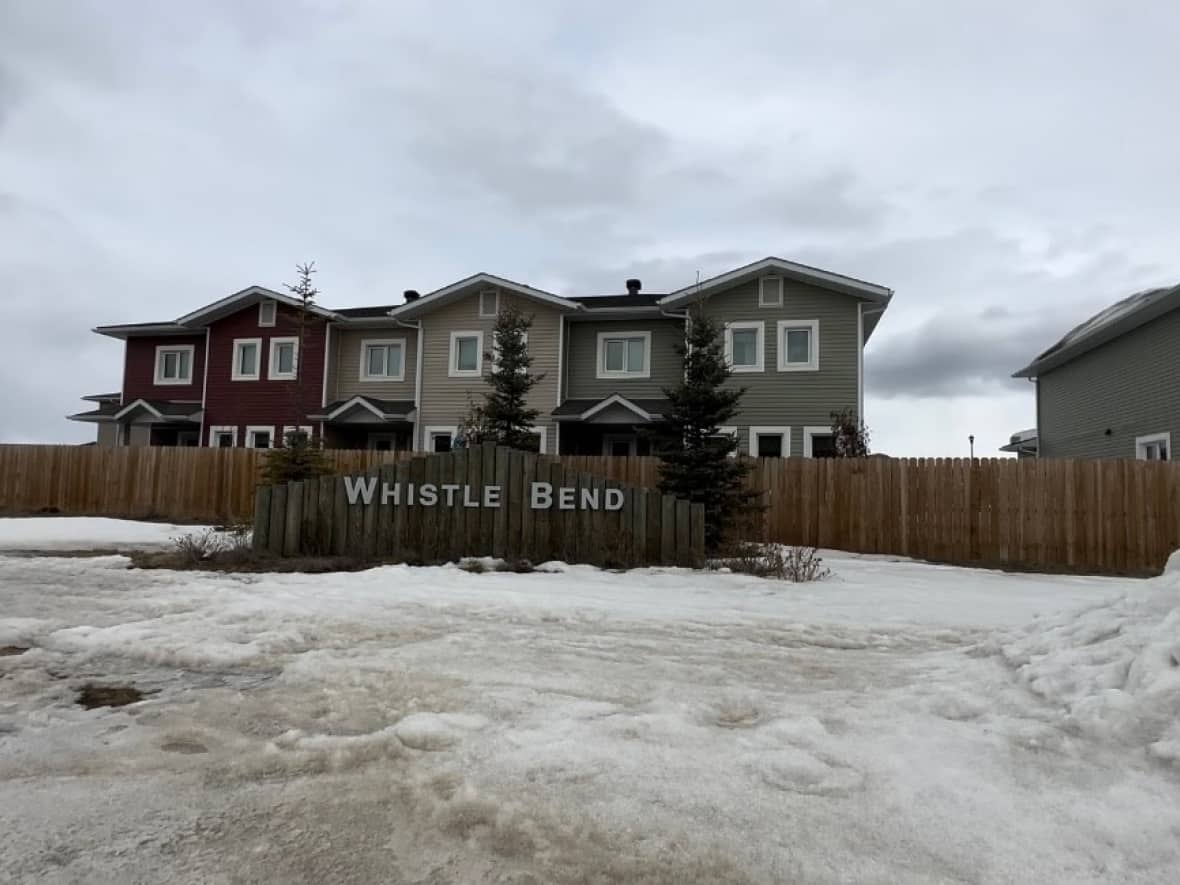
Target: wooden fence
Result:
[[488, 500], [1117, 517]]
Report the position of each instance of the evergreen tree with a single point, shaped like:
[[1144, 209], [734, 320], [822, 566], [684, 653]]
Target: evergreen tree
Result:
[[697, 460], [505, 416], [849, 436]]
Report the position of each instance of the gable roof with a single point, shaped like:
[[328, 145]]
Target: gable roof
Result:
[[1106, 325], [244, 298], [381, 409], [162, 410], [439, 297], [789, 269], [583, 409]]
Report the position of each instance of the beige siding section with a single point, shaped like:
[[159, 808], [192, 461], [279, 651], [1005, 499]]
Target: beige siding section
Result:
[[582, 380], [794, 399], [1096, 405], [445, 400], [107, 434], [344, 365]]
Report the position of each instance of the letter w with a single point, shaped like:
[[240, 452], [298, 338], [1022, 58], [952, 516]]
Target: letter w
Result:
[[360, 487]]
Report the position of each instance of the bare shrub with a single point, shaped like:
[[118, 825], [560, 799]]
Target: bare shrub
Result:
[[519, 566], [475, 566], [799, 565], [195, 547]]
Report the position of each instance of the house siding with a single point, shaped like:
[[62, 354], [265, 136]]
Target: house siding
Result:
[[262, 402], [581, 363], [794, 399], [1129, 387], [139, 369], [344, 364], [445, 400]]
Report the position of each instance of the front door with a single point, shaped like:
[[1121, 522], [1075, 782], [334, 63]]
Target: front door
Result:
[[619, 445]]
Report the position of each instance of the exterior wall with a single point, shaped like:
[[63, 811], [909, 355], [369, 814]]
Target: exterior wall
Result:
[[139, 434], [262, 402], [445, 399], [1096, 405], [344, 364], [794, 399], [139, 369], [107, 434], [581, 362]]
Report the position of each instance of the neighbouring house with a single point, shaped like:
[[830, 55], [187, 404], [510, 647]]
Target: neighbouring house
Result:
[[241, 371], [1111, 387], [1023, 444]]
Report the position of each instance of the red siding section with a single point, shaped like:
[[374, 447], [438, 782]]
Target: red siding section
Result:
[[139, 370], [262, 402]]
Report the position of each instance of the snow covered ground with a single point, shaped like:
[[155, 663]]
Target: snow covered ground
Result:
[[86, 533], [898, 722]]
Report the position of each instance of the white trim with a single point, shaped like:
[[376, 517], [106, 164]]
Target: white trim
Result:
[[632, 439], [760, 348], [428, 434], [812, 431], [204, 387], [615, 399], [812, 326], [137, 404], [541, 432], [487, 280], [777, 300], [252, 429], [602, 372], [454, 372], [271, 361], [733, 431], [231, 429], [1142, 442], [782, 432], [159, 379], [557, 437], [415, 443], [366, 343], [484, 315], [234, 374], [243, 295], [274, 312], [560, 357], [860, 362], [871, 291], [328, 356], [353, 402], [288, 428]]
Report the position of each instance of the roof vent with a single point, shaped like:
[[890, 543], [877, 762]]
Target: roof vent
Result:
[[633, 286], [411, 295]]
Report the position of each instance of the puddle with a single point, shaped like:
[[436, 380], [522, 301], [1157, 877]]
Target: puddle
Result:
[[10, 650], [91, 696]]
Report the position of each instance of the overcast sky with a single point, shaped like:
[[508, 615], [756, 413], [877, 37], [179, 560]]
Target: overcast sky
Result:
[[1006, 168]]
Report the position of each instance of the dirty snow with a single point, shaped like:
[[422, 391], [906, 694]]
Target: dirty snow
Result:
[[898, 722]]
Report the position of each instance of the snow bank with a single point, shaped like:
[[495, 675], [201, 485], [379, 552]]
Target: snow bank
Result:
[[1114, 667], [86, 533]]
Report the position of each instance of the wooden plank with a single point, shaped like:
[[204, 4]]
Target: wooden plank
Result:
[[433, 547], [260, 540], [397, 540], [697, 534], [386, 476], [667, 530], [589, 548], [339, 518], [294, 521], [638, 498], [683, 532], [472, 529], [278, 519], [514, 501], [528, 516], [500, 518], [487, 515], [454, 514], [412, 538]]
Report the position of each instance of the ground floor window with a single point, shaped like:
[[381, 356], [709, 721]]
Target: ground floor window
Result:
[[439, 439], [819, 442], [291, 428], [259, 437], [1155, 447], [223, 437], [770, 442]]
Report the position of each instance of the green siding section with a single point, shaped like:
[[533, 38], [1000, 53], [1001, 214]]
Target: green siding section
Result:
[[794, 399], [582, 359], [344, 366], [1129, 386]]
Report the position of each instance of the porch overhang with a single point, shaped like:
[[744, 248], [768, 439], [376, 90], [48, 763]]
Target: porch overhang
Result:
[[366, 410], [609, 409], [154, 411]]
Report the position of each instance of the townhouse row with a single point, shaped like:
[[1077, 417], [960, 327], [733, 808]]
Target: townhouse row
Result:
[[243, 370]]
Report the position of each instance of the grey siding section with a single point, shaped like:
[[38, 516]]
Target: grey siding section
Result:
[[138, 434], [445, 399], [1129, 387], [582, 359], [344, 365], [107, 434], [794, 399]]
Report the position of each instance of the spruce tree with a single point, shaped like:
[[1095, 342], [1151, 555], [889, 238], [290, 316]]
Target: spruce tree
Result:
[[505, 417], [697, 460], [850, 437]]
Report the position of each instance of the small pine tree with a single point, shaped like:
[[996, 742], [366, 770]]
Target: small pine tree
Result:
[[306, 293], [505, 415], [298, 459], [697, 460], [849, 436]]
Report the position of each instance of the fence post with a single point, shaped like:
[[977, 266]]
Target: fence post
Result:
[[261, 536]]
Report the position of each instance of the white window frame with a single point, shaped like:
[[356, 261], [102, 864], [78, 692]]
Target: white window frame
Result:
[[274, 375], [162, 349], [252, 429], [430, 432], [217, 429], [239, 343], [759, 348], [274, 312], [287, 428], [784, 433], [455, 372], [812, 431], [383, 342], [1142, 442], [777, 292], [812, 365], [603, 337], [495, 293], [540, 432]]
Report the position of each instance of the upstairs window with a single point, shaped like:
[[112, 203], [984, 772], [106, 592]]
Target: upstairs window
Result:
[[174, 365], [1156, 447], [743, 346], [489, 302], [770, 292], [383, 359], [266, 313], [624, 354], [466, 359], [798, 345], [245, 366], [283, 359]]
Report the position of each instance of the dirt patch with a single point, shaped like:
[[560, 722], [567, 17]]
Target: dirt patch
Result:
[[184, 745], [91, 695], [7, 651]]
